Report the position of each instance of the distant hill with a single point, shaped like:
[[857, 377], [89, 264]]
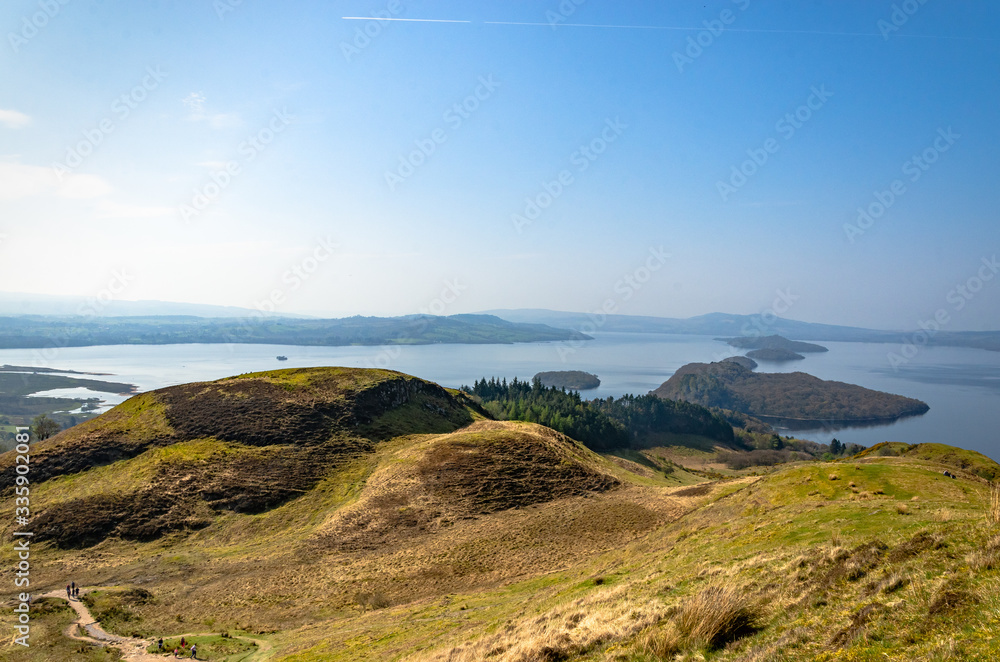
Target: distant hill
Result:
[[40, 331], [774, 354], [727, 325], [792, 396], [774, 342], [574, 380], [13, 303]]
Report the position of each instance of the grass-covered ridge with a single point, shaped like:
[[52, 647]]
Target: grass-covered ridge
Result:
[[426, 533]]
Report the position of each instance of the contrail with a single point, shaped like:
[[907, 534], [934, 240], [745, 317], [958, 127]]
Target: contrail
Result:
[[663, 27], [412, 20]]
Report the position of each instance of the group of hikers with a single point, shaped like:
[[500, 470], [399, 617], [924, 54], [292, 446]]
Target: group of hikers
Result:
[[73, 591], [181, 650]]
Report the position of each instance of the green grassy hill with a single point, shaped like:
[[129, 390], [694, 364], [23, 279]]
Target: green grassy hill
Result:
[[336, 514]]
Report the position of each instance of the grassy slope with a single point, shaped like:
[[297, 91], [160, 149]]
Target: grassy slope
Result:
[[280, 568], [950, 456], [807, 552], [595, 575]]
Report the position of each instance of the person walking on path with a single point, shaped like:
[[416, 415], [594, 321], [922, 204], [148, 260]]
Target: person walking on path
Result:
[[69, 593], [194, 651]]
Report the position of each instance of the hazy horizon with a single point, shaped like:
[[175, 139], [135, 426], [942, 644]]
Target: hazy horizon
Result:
[[553, 155]]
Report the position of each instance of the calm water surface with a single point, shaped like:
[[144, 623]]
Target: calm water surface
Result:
[[962, 386]]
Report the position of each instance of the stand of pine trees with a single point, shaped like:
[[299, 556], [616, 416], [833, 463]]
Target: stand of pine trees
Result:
[[602, 424]]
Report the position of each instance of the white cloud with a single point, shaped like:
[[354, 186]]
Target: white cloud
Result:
[[13, 119], [83, 186], [109, 209], [20, 181]]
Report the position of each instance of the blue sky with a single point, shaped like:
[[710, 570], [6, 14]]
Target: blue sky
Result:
[[256, 156]]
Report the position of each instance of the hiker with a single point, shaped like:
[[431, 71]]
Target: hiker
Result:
[[69, 594], [159, 644], [177, 652], [194, 651], [76, 592], [73, 586], [183, 643]]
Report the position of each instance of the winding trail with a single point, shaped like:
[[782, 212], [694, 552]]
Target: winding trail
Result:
[[133, 649]]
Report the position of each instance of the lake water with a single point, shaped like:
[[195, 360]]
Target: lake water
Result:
[[962, 386]]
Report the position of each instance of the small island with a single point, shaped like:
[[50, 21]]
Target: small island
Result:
[[793, 399], [773, 354], [774, 342], [574, 380]]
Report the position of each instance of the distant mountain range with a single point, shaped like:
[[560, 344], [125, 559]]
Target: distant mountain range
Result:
[[724, 324], [14, 303], [222, 322], [78, 331]]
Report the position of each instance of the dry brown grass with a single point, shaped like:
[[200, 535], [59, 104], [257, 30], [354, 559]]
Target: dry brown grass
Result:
[[993, 510], [717, 615], [713, 617], [902, 509], [604, 617], [987, 558]]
